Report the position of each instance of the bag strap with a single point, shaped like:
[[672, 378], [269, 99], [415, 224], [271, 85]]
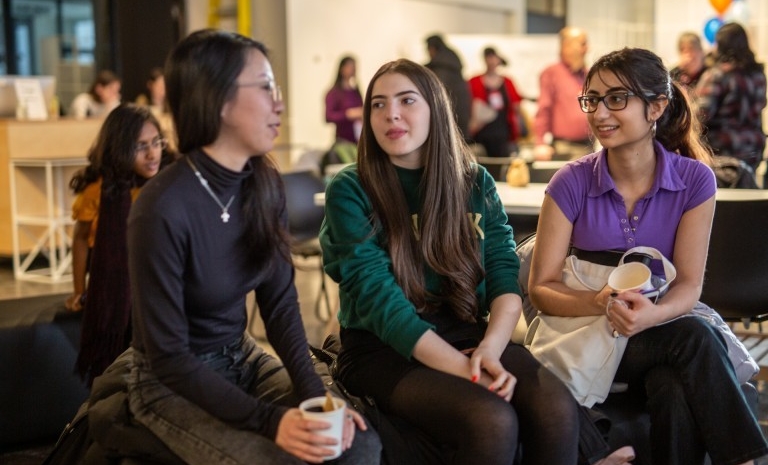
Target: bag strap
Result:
[[670, 273], [601, 257]]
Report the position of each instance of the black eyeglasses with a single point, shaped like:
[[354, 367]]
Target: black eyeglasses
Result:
[[157, 143], [613, 101]]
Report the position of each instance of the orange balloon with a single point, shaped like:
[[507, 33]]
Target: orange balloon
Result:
[[720, 5]]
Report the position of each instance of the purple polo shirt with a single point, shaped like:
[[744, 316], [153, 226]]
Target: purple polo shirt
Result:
[[585, 192]]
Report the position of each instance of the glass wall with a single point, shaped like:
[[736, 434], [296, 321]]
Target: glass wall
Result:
[[49, 37]]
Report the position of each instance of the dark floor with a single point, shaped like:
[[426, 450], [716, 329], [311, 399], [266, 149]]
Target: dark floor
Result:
[[308, 284]]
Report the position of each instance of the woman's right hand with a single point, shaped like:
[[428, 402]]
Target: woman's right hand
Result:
[[74, 303], [296, 435]]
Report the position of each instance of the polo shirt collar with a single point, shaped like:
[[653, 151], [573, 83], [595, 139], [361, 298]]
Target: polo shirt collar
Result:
[[667, 177]]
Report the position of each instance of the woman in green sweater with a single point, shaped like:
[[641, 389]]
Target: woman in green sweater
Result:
[[417, 238]]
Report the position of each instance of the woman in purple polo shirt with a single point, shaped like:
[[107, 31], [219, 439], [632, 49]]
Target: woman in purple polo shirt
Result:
[[649, 186]]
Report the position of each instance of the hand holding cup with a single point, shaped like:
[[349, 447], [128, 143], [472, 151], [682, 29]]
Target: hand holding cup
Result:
[[315, 409]]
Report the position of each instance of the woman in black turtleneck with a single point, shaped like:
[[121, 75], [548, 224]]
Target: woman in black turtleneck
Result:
[[200, 238]]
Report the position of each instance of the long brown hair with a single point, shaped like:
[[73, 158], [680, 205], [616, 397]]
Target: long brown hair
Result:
[[447, 242], [643, 73]]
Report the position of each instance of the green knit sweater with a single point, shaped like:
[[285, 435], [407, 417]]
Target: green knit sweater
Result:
[[355, 258]]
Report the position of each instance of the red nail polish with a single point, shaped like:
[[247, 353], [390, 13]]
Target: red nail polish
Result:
[[474, 378]]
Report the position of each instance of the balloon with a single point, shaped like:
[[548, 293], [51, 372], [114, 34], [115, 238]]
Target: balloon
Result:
[[711, 27], [738, 13], [720, 5]]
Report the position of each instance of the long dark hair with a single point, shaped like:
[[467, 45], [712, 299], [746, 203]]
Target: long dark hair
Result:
[[113, 152], [643, 73], [339, 77], [200, 78], [447, 241], [733, 47], [106, 329]]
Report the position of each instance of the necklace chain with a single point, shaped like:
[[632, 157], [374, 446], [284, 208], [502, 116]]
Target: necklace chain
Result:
[[204, 182]]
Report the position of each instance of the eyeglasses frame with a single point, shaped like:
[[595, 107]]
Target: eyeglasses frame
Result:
[[601, 98], [157, 142], [275, 91]]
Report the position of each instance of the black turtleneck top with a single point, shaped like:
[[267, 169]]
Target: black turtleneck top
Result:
[[190, 273]]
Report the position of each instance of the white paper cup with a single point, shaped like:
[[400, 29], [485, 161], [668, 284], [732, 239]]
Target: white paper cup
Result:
[[313, 409], [633, 276]]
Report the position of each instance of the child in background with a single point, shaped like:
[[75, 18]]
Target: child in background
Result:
[[127, 152]]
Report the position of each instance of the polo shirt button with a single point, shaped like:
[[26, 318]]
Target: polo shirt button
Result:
[[626, 229], [623, 220]]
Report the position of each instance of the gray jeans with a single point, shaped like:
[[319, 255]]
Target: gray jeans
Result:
[[199, 438]]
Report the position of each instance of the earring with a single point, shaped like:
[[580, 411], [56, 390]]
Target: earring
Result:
[[653, 129]]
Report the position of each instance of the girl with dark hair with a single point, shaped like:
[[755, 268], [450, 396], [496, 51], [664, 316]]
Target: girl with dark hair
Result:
[[649, 186], [127, 152], [343, 102], [731, 96], [417, 238], [202, 235]]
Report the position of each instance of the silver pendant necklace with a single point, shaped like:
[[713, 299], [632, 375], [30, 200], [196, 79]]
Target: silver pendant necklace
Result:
[[204, 182]]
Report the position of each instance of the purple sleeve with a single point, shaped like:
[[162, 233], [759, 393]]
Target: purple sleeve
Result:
[[568, 190], [701, 183], [335, 110]]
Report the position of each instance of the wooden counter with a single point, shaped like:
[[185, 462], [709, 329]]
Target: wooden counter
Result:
[[38, 141]]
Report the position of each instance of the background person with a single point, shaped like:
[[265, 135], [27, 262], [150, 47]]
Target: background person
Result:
[[499, 136], [691, 62], [127, 152], [206, 232], [557, 117], [154, 99], [344, 103], [731, 96], [649, 186], [154, 96], [446, 64], [102, 97], [113, 159]]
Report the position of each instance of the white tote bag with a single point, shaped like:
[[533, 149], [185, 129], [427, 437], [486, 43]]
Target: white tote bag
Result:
[[583, 351]]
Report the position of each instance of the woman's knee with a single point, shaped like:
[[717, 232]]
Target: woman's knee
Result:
[[493, 418], [663, 386], [696, 337]]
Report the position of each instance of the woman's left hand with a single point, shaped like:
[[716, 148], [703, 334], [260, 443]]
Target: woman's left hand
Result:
[[352, 419], [484, 362], [630, 313]]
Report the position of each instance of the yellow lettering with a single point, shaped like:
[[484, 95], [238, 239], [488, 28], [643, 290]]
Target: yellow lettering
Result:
[[475, 219]]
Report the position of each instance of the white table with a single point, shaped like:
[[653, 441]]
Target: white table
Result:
[[521, 200], [516, 200], [527, 200]]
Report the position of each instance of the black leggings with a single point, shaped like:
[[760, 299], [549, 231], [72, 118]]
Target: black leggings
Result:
[[481, 427]]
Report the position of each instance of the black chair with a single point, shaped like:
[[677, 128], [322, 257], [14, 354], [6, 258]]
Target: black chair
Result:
[[304, 220], [737, 265]]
